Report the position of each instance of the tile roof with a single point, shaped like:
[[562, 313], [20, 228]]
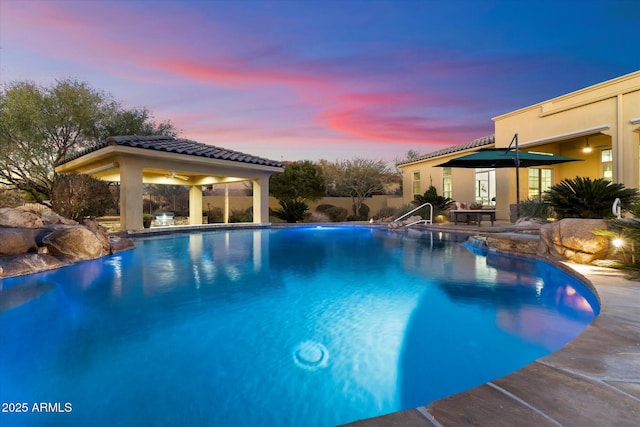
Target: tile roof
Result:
[[476, 143], [173, 145]]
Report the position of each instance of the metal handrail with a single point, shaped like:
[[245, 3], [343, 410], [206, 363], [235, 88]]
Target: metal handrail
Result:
[[427, 221]]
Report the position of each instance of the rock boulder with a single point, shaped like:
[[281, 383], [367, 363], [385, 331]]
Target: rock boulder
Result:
[[20, 219], [75, 244], [32, 241], [100, 232], [119, 244], [574, 239], [15, 241], [19, 265]]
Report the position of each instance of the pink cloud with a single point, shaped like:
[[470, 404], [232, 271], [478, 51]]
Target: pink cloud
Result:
[[331, 102]]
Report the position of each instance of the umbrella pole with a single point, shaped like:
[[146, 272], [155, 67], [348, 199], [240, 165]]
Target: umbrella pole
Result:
[[517, 161]]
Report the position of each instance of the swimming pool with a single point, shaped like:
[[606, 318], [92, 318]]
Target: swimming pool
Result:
[[311, 326]]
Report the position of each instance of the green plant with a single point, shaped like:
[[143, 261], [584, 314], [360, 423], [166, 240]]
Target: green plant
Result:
[[387, 212], [336, 214], [78, 196], [291, 210], [583, 197], [11, 198], [241, 215], [361, 213], [146, 220], [439, 203], [626, 253], [535, 208], [214, 215], [405, 209], [323, 207]]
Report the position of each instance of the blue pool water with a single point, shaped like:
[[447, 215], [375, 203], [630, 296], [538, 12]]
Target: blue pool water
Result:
[[309, 326]]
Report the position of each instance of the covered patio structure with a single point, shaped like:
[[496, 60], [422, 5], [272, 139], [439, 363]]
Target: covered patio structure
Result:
[[137, 160]]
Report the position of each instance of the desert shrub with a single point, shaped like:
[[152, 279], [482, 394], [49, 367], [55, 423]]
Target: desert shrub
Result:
[[626, 256], [291, 210], [77, 196], [364, 213], [214, 215], [535, 208], [11, 198], [323, 207], [241, 215], [633, 208], [317, 217], [405, 209], [583, 197], [337, 214], [386, 212], [439, 203]]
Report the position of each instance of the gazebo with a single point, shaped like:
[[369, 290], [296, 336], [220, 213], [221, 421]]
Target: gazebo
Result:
[[136, 160]]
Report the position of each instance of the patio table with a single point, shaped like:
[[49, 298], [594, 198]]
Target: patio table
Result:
[[476, 214]]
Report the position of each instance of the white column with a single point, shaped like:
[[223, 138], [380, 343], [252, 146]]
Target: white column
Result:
[[130, 196], [195, 205], [261, 200], [226, 204]]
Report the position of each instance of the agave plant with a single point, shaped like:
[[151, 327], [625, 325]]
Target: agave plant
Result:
[[583, 197], [431, 196], [536, 209], [292, 210]]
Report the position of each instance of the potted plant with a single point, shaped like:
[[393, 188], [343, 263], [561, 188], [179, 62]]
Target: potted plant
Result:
[[146, 220]]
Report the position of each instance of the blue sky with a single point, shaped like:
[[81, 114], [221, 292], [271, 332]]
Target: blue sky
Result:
[[328, 79]]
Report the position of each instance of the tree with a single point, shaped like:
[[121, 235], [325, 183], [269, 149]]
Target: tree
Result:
[[409, 156], [78, 196], [171, 197], [359, 179], [299, 182], [40, 126], [136, 121]]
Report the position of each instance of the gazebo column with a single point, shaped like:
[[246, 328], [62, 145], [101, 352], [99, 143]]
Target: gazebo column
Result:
[[195, 205], [261, 200], [226, 204], [130, 196]]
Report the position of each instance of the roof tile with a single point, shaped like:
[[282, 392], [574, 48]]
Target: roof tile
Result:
[[173, 145], [476, 143]]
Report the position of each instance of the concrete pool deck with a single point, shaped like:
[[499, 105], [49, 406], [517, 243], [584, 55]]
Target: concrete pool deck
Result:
[[592, 381]]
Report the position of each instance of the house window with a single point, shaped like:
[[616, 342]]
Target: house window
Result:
[[416, 183], [539, 182], [447, 183], [606, 159], [485, 186]]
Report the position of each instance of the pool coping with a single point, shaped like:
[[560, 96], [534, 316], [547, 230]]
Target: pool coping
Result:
[[592, 381]]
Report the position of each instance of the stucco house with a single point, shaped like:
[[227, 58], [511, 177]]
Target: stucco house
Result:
[[599, 125]]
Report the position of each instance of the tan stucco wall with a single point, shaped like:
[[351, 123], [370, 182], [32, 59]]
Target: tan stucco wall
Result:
[[608, 114], [375, 203], [561, 126], [430, 174]]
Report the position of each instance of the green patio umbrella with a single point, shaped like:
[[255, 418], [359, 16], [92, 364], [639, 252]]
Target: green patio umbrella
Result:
[[506, 158]]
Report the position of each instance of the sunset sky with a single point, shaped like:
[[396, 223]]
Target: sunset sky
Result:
[[332, 79]]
